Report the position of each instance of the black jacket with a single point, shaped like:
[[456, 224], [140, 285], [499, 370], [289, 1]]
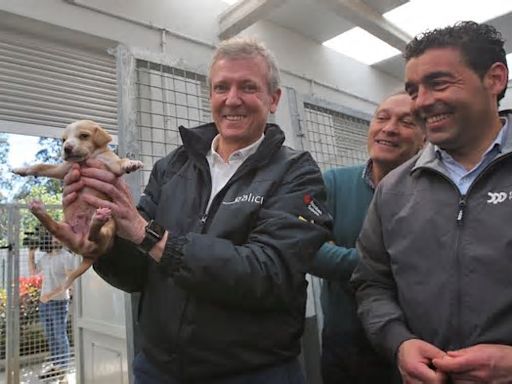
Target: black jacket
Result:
[[231, 297]]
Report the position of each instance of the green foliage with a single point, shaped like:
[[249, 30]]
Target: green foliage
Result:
[[5, 175], [31, 333], [49, 153], [52, 202]]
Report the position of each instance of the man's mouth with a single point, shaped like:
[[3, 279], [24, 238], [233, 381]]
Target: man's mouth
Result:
[[436, 118], [234, 117], [387, 143]]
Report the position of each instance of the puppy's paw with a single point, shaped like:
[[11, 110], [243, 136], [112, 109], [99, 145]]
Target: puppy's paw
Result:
[[36, 206], [101, 216], [21, 171], [132, 165]]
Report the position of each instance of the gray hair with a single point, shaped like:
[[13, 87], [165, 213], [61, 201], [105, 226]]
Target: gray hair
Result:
[[246, 47]]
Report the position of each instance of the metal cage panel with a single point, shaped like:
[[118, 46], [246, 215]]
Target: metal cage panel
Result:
[[335, 139], [29, 352], [167, 98]]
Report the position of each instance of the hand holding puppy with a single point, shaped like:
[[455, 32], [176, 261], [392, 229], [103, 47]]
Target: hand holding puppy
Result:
[[93, 174]]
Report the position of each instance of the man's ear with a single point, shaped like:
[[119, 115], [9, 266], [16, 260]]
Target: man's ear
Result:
[[101, 137], [274, 97], [496, 78]]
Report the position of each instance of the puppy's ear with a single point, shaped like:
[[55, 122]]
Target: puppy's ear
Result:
[[101, 137]]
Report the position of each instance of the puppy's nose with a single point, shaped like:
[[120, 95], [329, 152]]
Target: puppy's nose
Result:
[[68, 149]]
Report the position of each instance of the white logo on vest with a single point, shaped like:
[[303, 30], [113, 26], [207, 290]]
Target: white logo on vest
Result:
[[497, 197]]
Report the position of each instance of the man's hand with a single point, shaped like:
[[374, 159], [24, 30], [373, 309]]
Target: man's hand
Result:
[[415, 362], [482, 363], [72, 185], [130, 224]]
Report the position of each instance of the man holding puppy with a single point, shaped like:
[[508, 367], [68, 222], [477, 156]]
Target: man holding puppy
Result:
[[221, 238]]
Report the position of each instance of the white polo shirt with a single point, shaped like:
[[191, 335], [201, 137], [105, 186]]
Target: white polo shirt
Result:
[[222, 171]]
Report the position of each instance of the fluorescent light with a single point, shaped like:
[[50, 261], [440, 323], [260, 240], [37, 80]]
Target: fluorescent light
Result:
[[362, 46], [230, 2], [417, 16]]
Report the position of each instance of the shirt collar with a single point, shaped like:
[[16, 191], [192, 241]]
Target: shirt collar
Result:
[[240, 154], [498, 143], [367, 173]]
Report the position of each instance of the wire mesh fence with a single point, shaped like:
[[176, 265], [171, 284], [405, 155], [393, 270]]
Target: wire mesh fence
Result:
[[334, 138], [168, 98], [43, 324]]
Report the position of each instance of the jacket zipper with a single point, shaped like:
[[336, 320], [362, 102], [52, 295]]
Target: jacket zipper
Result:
[[460, 219], [214, 204], [462, 205]]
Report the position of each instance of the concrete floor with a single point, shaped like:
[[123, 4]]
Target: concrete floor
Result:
[[29, 375]]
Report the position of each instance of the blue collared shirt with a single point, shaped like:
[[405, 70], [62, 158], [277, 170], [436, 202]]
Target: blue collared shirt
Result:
[[464, 178], [367, 174]]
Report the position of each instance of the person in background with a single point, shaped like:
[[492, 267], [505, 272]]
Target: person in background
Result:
[[393, 138], [222, 237], [433, 286], [54, 265]]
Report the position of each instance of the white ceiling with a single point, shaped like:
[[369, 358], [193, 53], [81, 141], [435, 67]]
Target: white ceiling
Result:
[[321, 20]]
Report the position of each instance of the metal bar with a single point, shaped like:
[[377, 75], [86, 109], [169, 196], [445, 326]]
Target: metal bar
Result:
[[12, 371]]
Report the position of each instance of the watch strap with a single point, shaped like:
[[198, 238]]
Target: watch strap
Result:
[[153, 233]]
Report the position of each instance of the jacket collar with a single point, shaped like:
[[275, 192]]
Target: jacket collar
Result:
[[197, 141], [428, 157]]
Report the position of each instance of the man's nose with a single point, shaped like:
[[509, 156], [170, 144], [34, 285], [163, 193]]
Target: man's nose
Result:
[[233, 97], [423, 98], [391, 126]]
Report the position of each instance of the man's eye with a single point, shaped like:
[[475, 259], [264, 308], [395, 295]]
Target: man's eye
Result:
[[412, 92], [439, 84], [408, 122], [250, 88], [219, 88]]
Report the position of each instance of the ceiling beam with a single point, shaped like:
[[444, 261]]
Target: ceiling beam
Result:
[[243, 14], [361, 14]]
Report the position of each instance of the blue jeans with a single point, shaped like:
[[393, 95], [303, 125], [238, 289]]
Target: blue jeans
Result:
[[284, 373], [54, 317]]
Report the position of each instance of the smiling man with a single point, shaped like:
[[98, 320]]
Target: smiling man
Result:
[[434, 286], [393, 138], [221, 239]]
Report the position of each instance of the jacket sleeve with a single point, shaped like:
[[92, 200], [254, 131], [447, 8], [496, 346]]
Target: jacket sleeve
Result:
[[124, 267], [267, 272], [376, 294], [334, 261]]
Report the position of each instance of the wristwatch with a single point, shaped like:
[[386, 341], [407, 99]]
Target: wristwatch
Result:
[[153, 234]]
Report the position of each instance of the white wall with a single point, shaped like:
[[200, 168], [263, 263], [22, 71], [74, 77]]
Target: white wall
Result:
[[307, 66]]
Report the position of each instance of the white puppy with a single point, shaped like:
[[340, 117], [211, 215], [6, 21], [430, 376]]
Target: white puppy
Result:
[[83, 223]]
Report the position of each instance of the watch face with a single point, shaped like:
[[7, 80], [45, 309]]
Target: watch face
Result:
[[155, 229]]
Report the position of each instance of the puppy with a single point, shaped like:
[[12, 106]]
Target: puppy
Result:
[[83, 224]]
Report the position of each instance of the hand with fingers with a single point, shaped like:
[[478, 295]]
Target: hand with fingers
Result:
[[482, 363], [93, 174], [415, 363]]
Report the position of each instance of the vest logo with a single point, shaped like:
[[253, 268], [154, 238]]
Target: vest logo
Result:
[[248, 197], [498, 197]]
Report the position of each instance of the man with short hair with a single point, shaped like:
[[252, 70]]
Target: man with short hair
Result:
[[393, 138], [433, 286], [221, 238]]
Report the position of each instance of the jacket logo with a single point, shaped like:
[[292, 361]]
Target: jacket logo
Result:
[[311, 205], [497, 197], [248, 197]]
